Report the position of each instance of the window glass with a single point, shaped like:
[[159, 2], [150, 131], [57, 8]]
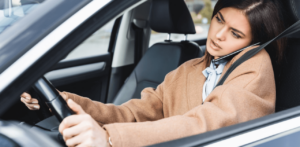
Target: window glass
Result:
[[94, 45], [201, 12], [13, 10]]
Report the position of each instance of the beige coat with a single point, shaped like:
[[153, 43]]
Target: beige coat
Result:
[[174, 109]]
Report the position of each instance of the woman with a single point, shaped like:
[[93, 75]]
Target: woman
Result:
[[187, 102]]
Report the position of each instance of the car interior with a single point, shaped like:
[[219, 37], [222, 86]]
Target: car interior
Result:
[[134, 66], [164, 56], [130, 65]]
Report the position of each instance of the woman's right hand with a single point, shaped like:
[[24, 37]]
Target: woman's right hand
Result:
[[31, 103]]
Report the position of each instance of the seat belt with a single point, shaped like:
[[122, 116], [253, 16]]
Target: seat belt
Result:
[[289, 32], [138, 43]]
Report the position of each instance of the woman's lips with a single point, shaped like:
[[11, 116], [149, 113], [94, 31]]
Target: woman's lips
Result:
[[214, 45]]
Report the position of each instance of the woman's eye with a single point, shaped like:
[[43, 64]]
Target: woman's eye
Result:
[[236, 35], [218, 19]]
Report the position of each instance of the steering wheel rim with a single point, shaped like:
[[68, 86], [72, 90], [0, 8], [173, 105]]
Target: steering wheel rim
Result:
[[52, 98]]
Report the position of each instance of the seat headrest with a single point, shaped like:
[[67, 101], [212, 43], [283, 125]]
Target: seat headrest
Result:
[[295, 6], [171, 16]]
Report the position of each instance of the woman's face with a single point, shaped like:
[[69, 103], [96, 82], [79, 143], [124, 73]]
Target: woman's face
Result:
[[229, 31]]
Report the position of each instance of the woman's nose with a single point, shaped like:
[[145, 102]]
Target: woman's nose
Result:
[[221, 34]]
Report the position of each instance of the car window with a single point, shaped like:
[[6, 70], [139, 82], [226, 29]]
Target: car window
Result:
[[13, 10], [94, 45], [201, 11]]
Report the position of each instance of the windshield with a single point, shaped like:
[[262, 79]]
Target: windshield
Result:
[[13, 10]]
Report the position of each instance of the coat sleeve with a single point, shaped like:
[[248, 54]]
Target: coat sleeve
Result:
[[136, 110], [148, 108], [248, 93]]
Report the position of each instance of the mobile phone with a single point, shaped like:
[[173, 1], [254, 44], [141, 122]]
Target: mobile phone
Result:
[[234, 53]]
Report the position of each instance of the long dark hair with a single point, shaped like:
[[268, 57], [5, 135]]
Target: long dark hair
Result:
[[265, 22]]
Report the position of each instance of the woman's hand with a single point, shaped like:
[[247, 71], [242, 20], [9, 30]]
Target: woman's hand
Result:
[[81, 129], [31, 103]]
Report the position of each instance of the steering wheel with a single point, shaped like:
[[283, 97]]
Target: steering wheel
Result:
[[14, 134], [52, 98], [48, 94]]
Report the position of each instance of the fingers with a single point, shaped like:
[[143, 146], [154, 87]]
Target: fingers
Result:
[[85, 134], [26, 95], [82, 130], [29, 101], [63, 95], [75, 130], [26, 98], [31, 104], [77, 140], [75, 107], [71, 121]]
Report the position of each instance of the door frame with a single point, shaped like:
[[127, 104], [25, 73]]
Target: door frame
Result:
[[31, 73]]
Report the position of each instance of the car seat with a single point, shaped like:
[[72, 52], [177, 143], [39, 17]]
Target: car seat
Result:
[[167, 16], [287, 78]]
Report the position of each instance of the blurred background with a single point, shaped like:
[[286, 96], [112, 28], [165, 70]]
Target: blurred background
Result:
[[201, 11], [97, 44]]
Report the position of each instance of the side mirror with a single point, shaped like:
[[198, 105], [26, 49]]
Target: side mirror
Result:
[[8, 8]]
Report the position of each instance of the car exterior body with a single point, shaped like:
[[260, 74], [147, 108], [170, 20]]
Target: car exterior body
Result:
[[36, 42]]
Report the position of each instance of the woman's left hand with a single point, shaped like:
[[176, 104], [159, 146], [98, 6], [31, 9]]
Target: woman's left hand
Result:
[[81, 129]]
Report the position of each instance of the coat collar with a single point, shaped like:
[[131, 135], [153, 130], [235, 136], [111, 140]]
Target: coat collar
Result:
[[195, 85], [196, 79]]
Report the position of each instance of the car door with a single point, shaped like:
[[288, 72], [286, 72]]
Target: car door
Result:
[[70, 34], [86, 70]]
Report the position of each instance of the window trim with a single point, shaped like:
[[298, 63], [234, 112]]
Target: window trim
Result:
[[215, 136]]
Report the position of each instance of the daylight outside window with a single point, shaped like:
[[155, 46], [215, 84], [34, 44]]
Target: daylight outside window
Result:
[[95, 45], [13, 10]]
